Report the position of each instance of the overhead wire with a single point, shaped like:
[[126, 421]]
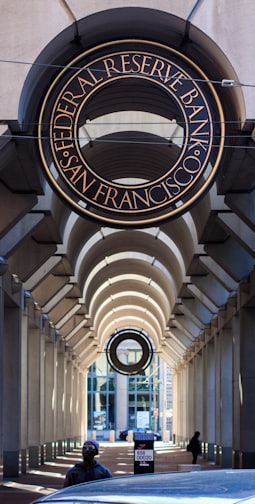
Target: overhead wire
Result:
[[222, 82], [123, 140]]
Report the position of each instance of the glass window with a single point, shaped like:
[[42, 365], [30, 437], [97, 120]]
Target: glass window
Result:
[[101, 400]]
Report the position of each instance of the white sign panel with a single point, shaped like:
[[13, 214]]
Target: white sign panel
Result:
[[143, 419], [143, 455]]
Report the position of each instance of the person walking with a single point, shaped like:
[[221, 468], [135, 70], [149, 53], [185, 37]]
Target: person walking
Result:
[[194, 447], [89, 469]]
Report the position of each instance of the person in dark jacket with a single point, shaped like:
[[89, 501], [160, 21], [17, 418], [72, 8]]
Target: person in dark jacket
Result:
[[89, 469], [194, 447]]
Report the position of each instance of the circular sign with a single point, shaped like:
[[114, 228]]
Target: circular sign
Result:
[[112, 352], [188, 99]]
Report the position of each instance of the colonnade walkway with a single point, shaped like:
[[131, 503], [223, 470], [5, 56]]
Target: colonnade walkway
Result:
[[118, 457]]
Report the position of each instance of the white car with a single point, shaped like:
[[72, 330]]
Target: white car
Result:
[[224, 486]]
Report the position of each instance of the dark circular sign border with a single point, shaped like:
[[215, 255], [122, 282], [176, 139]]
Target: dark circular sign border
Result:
[[129, 369], [115, 216]]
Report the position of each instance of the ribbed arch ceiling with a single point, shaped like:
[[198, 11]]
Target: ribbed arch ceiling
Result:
[[146, 292], [129, 277], [148, 298], [128, 298], [148, 278], [134, 241], [130, 267], [138, 319]]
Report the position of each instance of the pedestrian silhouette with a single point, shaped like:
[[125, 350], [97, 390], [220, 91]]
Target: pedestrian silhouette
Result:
[[88, 469], [194, 447]]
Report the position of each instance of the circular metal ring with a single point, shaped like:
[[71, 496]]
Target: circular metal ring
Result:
[[129, 369]]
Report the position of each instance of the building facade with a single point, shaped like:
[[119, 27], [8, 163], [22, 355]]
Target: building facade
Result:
[[127, 201]]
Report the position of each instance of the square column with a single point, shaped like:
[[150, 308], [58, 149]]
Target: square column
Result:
[[247, 387], [11, 398]]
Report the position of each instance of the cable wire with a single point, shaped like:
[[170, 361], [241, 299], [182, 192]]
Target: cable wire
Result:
[[222, 82], [123, 141]]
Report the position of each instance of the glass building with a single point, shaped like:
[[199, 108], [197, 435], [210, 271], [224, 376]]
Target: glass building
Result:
[[117, 402]]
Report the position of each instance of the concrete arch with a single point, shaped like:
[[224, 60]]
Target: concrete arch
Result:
[[67, 282], [131, 266]]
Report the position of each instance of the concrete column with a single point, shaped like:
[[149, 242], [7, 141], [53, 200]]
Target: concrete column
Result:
[[11, 398], [175, 407], [198, 394], [83, 408], [181, 403], [247, 387], [69, 402], [121, 402], [33, 369], [1, 377], [204, 419], [226, 397], [184, 403], [236, 393], [80, 407], [42, 393], [24, 393], [217, 398], [191, 400], [75, 413], [50, 398], [60, 400], [209, 372]]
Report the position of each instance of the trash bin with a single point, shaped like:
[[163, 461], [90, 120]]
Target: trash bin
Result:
[[144, 453]]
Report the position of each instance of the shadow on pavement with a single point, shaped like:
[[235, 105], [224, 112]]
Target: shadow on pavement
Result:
[[118, 457]]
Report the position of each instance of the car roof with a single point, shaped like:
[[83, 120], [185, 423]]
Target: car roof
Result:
[[214, 486]]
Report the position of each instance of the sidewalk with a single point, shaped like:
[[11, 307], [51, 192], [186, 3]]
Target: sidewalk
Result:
[[118, 457]]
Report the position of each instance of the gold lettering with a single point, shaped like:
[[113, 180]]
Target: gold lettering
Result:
[[109, 66], [157, 70], [126, 199], [74, 170], [62, 139], [110, 196], [69, 161], [70, 100], [83, 83], [180, 182], [175, 187], [188, 98], [137, 64], [137, 196], [76, 177], [100, 190], [83, 176], [177, 80], [167, 74], [192, 160], [201, 125], [95, 80], [145, 64], [66, 125], [198, 143], [125, 63], [196, 110], [156, 202], [64, 109]]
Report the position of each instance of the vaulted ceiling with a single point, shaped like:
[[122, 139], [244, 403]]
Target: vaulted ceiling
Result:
[[172, 281]]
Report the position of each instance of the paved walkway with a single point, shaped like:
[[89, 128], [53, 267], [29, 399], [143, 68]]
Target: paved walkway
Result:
[[118, 457]]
